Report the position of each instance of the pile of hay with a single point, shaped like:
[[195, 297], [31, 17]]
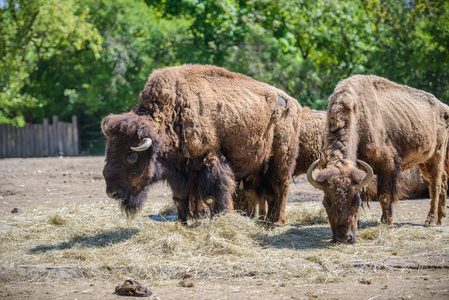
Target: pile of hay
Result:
[[100, 242]]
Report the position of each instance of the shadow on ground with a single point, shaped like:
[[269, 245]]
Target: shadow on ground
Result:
[[370, 224], [298, 238], [96, 241]]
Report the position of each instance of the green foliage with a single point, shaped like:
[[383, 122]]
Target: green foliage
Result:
[[92, 57], [34, 31]]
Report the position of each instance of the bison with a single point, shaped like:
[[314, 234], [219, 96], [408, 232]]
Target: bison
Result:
[[390, 127], [199, 128], [254, 191], [413, 186]]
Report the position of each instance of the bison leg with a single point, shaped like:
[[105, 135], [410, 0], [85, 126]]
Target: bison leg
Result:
[[277, 214], [387, 189], [182, 206], [433, 171], [262, 208], [387, 210], [442, 202]]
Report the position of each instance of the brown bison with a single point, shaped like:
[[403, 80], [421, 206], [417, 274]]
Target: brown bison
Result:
[[199, 128], [255, 191], [392, 127]]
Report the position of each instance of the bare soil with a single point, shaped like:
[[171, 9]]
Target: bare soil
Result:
[[29, 183]]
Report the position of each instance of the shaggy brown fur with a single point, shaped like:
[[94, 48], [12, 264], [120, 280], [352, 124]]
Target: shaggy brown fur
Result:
[[208, 127], [390, 126], [413, 186], [253, 192]]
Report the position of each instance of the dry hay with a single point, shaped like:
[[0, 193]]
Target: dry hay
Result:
[[96, 240]]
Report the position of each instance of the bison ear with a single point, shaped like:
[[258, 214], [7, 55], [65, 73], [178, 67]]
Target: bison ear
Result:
[[249, 181]]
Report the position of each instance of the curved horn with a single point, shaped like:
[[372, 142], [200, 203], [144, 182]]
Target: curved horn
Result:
[[103, 124], [147, 143], [310, 176], [369, 174], [241, 186]]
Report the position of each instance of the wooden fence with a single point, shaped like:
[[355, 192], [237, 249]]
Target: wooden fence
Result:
[[38, 140]]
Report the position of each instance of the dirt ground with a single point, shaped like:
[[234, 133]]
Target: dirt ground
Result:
[[28, 183]]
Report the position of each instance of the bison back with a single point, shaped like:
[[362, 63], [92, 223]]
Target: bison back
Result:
[[212, 109]]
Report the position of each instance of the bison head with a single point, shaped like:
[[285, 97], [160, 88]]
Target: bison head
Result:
[[246, 197], [342, 201], [131, 159]]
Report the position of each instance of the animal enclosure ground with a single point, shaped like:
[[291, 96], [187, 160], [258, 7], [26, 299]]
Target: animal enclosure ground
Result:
[[69, 241]]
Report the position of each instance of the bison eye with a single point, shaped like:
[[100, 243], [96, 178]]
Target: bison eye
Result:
[[132, 158], [356, 201], [326, 203]]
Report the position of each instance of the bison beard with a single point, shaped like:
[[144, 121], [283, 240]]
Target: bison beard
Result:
[[208, 126]]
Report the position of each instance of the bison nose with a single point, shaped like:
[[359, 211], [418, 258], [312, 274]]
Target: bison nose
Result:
[[348, 237], [116, 193]]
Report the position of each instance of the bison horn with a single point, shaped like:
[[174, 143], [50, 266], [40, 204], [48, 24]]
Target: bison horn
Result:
[[103, 124], [241, 186], [369, 174], [146, 144], [310, 176]]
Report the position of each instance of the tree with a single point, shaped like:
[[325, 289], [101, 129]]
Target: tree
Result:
[[33, 32], [412, 43], [136, 40]]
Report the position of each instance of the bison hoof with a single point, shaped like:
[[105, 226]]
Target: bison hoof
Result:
[[277, 224], [430, 223]]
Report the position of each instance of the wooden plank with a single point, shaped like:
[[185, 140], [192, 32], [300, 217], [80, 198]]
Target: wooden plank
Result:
[[11, 141], [54, 141], [41, 140], [33, 140], [68, 139], [3, 141], [26, 142], [46, 138], [16, 141], [8, 142], [76, 145], [20, 146], [65, 149], [4, 138], [60, 138], [37, 139]]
